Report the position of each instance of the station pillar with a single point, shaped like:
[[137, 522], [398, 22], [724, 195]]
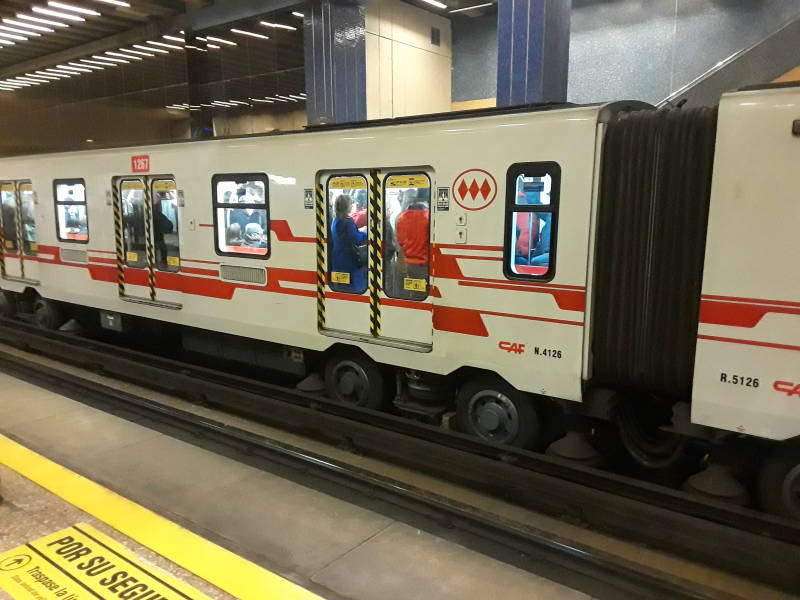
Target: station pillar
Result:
[[335, 61], [532, 51]]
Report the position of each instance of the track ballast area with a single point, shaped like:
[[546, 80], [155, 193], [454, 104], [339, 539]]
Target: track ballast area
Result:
[[747, 543]]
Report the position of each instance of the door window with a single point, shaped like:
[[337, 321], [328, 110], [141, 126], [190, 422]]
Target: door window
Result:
[[166, 238], [406, 236], [241, 214], [27, 201], [134, 222], [348, 218], [9, 216]]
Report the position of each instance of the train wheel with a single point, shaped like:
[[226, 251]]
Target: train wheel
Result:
[[356, 379], [639, 422], [779, 482], [47, 314], [490, 408], [8, 304]]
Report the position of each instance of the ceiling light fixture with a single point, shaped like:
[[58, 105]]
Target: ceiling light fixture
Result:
[[299, 15], [126, 52], [14, 36], [458, 10], [238, 102], [221, 103], [222, 41], [278, 26], [40, 78], [116, 60], [250, 33], [262, 100], [28, 25], [20, 31], [164, 44], [196, 48], [115, 3], [119, 55], [151, 49], [61, 72], [212, 46], [91, 67], [57, 76], [55, 13], [436, 3], [174, 38], [77, 9], [97, 62], [276, 99], [15, 85], [4, 42], [38, 20], [69, 69], [202, 39], [42, 75], [25, 80]]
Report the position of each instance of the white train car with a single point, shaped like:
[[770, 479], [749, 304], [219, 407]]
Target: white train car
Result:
[[497, 263]]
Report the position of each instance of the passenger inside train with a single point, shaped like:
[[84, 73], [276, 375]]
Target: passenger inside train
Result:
[[242, 229], [71, 211], [347, 245]]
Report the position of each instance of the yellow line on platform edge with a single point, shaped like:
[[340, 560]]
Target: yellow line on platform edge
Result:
[[218, 566]]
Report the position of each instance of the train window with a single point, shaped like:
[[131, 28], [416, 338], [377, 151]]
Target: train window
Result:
[[8, 197], [166, 238], [533, 191], [241, 214], [348, 217], [134, 228], [27, 201], [72, 224], [406, 235]]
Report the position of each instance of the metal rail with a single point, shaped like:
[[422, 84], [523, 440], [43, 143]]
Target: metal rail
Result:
[[742, 541]]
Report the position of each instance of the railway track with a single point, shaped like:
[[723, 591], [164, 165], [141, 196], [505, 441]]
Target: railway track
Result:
[[742, 541]]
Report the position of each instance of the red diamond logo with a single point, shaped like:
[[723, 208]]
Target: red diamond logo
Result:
[[486, 189], [473, 189], [463, 189]]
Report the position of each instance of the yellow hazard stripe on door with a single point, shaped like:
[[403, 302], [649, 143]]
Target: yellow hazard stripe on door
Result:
[[321, 229], [118, 239], [375, 259], [148, 240], [220, 567]]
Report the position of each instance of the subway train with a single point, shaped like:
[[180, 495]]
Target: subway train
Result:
[[513, 273]]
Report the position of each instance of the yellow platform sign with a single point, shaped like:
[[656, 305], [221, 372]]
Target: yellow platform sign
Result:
[[81, 563]]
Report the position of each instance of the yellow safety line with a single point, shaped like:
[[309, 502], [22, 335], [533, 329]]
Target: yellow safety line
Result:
[[218, 566]]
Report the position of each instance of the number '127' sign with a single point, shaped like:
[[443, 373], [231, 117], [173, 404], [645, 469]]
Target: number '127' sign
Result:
[[140, 163]]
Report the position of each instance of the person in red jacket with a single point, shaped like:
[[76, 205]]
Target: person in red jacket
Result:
[[412, 231]]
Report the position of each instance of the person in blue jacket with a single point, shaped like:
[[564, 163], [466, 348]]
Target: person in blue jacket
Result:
[[345, 254]]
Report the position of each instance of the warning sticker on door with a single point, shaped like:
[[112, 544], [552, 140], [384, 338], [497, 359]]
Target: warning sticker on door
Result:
[[338, 277], [81, 563], [414, 285]]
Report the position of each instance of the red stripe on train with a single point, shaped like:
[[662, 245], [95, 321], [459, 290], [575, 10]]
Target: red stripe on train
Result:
[[737, 314], [749, 342]]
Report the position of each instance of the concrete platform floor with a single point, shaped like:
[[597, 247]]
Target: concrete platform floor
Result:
[[332, 547]]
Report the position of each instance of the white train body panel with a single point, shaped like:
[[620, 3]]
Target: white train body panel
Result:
[[747, 366], [476, 307]]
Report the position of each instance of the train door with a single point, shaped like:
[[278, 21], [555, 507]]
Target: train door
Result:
[[343, 257], [147, 239], [374, 232], [18, 242], [406, 311]]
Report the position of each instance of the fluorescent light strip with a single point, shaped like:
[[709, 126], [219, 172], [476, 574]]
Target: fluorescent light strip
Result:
[[278, 26], [29, 25], [250, 33], [40, 79], [126, 52], [289, 99], [436, 3], [202, 39], [38, 20], [116, 60], [298, 14], [61, 72], [4, 42], [213, 46], [54, 13], [24, 80], [120, 55], [262, 100], [221, 103], [196, 48], [238, 102], [174, 38], [151, 49], [76, 69], [91, 67], [59, 76], [96, 62], [14, 36], [277, 99], [115, 3], [20, 31], [165, 45], [458, 10], [48, 77], [221, 41], [77, 9], [297, 97], [16, 86], [175, 106]]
